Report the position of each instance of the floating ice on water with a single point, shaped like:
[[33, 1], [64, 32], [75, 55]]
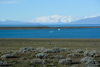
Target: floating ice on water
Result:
[[51, 31], [58, 29]]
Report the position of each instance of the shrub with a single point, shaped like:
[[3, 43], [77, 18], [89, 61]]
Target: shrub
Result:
[[16, 53], [91, 53], [77, 55], [41, 49], [26, 49], [42, 55], [66, 61], [68, 49], [3, 63], [56, 49], [63, 49], [91, 63], [79, 51], [48, 51], [86, 53], [86, 59], [74, 55], [70, 55], [59, 57], [8, 56], [37, 62]]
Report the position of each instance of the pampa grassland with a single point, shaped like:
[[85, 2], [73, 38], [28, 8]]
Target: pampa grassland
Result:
[[49, 52]]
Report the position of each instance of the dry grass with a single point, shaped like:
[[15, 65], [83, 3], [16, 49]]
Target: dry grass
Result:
[[7, 45]]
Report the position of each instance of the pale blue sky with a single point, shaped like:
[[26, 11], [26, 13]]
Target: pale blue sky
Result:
[[29, 10]]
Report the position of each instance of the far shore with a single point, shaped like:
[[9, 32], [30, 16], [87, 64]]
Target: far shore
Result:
[[45, 27]]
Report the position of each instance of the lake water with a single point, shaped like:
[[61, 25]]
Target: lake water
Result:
[[52, 33]]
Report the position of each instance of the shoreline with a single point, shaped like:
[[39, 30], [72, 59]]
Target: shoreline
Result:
[[85, 39], [16, 28]]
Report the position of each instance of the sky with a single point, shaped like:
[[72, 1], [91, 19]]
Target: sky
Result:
[[48, 11]]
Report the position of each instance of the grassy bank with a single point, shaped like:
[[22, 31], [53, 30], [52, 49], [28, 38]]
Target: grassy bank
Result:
[[8, 46], [49, 43]]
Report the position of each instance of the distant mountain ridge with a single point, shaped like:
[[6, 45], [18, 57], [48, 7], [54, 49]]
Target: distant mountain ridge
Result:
[[93, 20], [9, 22]]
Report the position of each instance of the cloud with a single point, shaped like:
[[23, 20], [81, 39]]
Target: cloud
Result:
[[85, 17], [3, 20], [53, 19]]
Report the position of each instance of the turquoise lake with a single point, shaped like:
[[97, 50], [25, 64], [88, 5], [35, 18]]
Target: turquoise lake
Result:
[[52, 33]]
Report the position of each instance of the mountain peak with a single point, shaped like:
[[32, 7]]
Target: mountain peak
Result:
[[90, 20]]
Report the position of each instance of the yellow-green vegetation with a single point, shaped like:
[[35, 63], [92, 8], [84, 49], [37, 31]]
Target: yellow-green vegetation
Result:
[[49, 52]]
